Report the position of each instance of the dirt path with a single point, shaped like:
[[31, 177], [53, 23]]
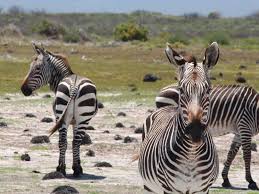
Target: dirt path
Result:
[[17, 176]]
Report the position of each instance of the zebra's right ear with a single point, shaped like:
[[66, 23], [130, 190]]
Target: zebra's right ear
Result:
[[174, 57]]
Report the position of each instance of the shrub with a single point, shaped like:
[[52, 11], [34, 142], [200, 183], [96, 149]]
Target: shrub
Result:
[[214, 15], [130, 31], [49, 29], [71, 37], [178, 38], [220, 37]]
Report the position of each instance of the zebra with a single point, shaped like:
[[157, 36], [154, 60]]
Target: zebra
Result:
[[234, 109], [177, 154], [75, 100]]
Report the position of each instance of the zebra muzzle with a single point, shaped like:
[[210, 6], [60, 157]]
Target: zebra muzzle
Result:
[[195, 130], [26, 90]]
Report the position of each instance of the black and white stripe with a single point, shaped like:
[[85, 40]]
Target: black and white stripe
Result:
[[177, 154], [75, 100], [234, 109]]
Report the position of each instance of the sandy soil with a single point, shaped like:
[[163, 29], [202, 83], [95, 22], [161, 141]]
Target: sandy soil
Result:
[[17, 176]]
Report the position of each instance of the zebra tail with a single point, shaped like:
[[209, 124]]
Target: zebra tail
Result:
[[60, 121]]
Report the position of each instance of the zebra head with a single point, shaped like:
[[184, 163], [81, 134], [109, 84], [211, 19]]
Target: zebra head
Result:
[[194, 88], [39, 72]]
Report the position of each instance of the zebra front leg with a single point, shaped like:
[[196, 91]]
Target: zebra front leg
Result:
[[246, 146], [62, 149], [79, 133], [235, 145]]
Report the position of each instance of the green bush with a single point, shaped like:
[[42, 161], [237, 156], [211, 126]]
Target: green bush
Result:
[[71, 37], [130, 31], [179, 38], [220, 37], [49, 29]]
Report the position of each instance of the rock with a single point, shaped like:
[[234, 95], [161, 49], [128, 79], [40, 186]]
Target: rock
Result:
[[15, 152], [242, 67], [133, 89], [132, 126], [139, 130], [257, 61], [240, 79], [102, 164], [213, 78], [150, 78], [40, 139], [47, 120], [90, 153], [117, 137], [100, 105], [25, 157], [119, 125], [220, 74], [121, 114], [150, 110], [65, 190], [35, 171], [175, 78], [26, 130], [53, 175], [7, 98], [106, 131], [129, 139], [30, 115], [46, 96], [90, 128], [86, 140], [3, 124]]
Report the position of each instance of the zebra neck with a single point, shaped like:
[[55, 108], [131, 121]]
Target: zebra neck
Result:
[[59, 71]]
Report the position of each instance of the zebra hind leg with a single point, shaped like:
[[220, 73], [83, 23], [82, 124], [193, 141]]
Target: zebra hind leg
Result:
[[246, 146], [235, 145], [62, 150], [78, 136]]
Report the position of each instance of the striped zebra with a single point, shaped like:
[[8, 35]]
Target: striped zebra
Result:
[[75, 100], [177, 154], [234, 109]]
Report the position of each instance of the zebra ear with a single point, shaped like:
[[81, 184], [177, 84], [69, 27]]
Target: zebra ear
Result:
[[211, 55], [37, 49], [173, 56]]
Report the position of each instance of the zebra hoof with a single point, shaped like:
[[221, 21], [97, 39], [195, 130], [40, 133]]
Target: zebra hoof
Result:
[[253, 186], [78, 170], [61, 169], [226, 184]]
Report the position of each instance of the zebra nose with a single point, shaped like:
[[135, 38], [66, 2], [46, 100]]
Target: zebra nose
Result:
[[26, 90]]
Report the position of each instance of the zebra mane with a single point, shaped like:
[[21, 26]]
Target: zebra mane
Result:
[[189, 58]]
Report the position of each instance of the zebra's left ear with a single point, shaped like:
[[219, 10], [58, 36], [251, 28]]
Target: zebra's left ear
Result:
[[173, 56], [37, 49], [211, 55]]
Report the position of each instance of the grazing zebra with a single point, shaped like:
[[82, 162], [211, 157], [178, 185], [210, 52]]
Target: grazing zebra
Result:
[[75, 100], [177, 154], [234, 109]]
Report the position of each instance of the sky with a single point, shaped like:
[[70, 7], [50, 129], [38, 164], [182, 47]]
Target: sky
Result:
[[228, 8]]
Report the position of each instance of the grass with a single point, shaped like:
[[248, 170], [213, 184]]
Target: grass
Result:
[[39, 148]]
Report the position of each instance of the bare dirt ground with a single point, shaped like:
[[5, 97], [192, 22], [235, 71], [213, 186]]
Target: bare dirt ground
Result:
[[17, 176]]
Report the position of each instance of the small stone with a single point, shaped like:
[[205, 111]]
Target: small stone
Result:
[[40, 139], [132, 126], [25, 157], [150, 110], [119, 125], [220, 74], [139, 130], [35, 171], [90, 128], [121, 114], [30, 115], [129, 139], [53, 175], [26, 130], [15, 152], [102, 164], [175, 78], [242, 67], [106, 131], [7, 98], [100, 105], [46, 96], [86, 140], [3, 124], [90, 153], [117, 137], [240, 79], [65, 190], [150, 78], [47, 120]]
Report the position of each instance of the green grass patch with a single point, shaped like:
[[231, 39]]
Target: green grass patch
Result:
[[39, 148]]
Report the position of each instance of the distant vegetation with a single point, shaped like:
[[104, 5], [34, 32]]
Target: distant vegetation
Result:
[[143, 25]]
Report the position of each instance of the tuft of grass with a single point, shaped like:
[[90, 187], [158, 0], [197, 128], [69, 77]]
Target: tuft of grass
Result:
[[39, 148]]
